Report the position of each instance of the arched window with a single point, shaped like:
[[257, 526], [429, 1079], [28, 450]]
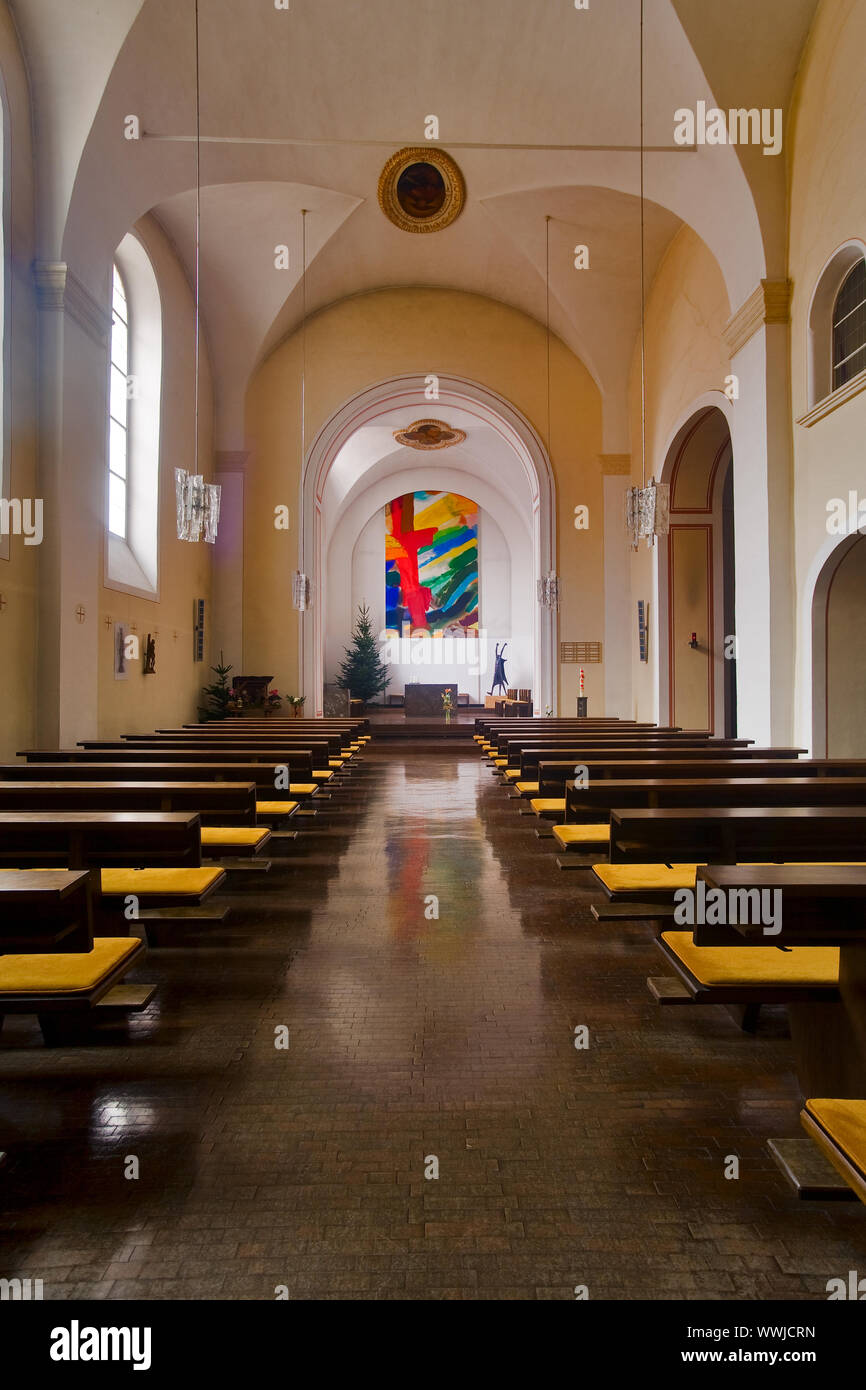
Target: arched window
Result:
[[118, 410], [837, 332], [849, 327], [133, 443]]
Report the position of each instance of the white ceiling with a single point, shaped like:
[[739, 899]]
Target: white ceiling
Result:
[[495, 72]]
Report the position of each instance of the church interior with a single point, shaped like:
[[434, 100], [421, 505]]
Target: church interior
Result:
[[432, 879]]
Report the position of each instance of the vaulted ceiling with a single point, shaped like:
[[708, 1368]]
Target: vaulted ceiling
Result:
[[302, 107]]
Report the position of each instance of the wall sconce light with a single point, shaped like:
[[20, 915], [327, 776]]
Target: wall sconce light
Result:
[[693, 641]]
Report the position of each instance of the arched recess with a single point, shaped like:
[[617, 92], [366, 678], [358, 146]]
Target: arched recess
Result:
[[408, 393], [697, 685], [839, 652]]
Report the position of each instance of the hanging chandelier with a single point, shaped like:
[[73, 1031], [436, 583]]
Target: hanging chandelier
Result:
[[548, 590], [198, 507], [302, 592], [647, 512], [647, 508], [198, 502]]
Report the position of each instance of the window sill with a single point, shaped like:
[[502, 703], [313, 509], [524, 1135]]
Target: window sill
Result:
[[123, 571], [834, 400]]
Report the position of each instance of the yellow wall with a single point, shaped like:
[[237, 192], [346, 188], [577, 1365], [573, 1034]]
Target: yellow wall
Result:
[[368, 339], [828, 208], [142, 703], [19, 574], [687, 310]]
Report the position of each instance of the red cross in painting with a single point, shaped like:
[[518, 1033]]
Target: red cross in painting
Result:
[[417, 597]]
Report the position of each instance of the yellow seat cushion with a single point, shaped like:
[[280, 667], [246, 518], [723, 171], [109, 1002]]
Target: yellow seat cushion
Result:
[[547, 806], [513, 773], [528, 787], [66, 972], [186, 883], [222, 836], [276, 808], [303, 788], [336, 762], [843, 1121], [621, 878], [566, 835], [501, 762], [322, 776], [755, 965]]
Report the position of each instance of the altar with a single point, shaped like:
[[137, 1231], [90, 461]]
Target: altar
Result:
[[426, 700]]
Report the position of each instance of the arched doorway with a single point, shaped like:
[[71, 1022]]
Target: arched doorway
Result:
[[839, 653], [336, 469], [697, 634]]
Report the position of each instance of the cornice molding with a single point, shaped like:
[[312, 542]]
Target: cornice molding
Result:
[[58, 290], [231, 460], [769, 303]]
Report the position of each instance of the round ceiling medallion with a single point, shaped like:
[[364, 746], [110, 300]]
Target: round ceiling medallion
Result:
[[429, 434], [421, 189]]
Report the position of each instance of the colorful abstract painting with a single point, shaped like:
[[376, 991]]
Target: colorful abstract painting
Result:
[[431, 562]]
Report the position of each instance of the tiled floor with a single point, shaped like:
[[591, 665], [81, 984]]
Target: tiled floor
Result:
[[411, 1038]]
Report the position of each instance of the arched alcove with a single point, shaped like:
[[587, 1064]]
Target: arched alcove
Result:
[[839, 652], [347, 477], [697, 684]]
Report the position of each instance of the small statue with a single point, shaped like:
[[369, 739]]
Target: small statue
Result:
[[150, 656], [499, 680]]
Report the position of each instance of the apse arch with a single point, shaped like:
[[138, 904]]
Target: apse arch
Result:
[[322, 493]]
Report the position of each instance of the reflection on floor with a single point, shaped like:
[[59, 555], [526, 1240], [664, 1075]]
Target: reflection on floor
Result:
[[431, 966]]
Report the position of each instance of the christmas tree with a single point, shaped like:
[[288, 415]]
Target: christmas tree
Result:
[[218, 694], [363, 674]]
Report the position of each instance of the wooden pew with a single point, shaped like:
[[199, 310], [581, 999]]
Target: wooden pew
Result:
[[728, 835], [217, 803], [816, 909], [51, 964], [554, 777], [261, 775], [585, 803], [99, 839], [45, 912]]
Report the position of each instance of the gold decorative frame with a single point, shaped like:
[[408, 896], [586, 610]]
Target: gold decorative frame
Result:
[[455, 189], [455, 436]]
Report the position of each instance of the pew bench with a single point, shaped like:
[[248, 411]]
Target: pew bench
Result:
[[727, 835], [838, 1128], [45, 912], [69, 992]]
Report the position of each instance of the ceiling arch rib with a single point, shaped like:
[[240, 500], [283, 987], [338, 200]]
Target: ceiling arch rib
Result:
[[262, 81]]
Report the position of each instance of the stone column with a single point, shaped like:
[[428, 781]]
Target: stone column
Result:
[[74, 335]]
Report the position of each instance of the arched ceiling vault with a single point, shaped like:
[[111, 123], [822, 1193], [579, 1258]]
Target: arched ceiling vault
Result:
[[496, 73]]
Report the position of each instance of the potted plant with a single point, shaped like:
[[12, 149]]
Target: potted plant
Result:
[[363, 673], [273, 702], [447, 705], [219, 696], [297, 704]]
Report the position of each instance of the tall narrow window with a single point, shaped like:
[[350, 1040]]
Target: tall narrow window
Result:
[[849, 327], [118, 428]]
